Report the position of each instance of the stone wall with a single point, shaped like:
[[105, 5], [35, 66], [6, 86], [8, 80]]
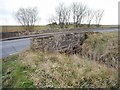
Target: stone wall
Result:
[[65, 43], [8, 34]]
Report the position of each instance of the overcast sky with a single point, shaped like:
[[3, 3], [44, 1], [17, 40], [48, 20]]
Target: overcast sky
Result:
[[47, 8]]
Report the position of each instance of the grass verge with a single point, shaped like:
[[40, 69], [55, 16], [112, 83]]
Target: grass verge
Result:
[[42, 70], [14, 74]]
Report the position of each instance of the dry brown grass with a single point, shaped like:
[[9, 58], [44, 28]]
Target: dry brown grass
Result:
[[101, 41], [61, 71], [103, 46]]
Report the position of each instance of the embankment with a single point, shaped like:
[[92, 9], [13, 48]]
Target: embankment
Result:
[[101, 47]]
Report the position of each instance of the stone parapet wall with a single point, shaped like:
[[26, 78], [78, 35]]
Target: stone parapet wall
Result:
[[65, 43]]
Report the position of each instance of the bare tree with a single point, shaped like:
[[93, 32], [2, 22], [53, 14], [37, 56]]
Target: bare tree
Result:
[[60, 12], [27, 17], [52, 22], [90, 15], [98, 16], [78, 11], [63, 14], [83, 19], [67, 12]]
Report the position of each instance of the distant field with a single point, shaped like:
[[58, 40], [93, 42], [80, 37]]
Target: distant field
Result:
[[45, 27], [19, 28]]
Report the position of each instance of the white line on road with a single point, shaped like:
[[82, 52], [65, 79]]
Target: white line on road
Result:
[[12, 53]]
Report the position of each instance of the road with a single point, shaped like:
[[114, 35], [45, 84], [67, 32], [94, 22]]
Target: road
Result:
[[13, 46], [10, 47]]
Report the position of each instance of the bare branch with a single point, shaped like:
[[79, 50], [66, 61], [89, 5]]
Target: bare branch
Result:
[[98, 16], [90, 15], [52, 22], [27, 17], [63, 14], [78, 11]]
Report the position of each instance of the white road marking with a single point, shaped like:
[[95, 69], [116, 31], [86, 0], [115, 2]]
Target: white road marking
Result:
[[12, 54]]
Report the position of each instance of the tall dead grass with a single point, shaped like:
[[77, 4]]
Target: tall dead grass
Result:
[[62, 71]]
